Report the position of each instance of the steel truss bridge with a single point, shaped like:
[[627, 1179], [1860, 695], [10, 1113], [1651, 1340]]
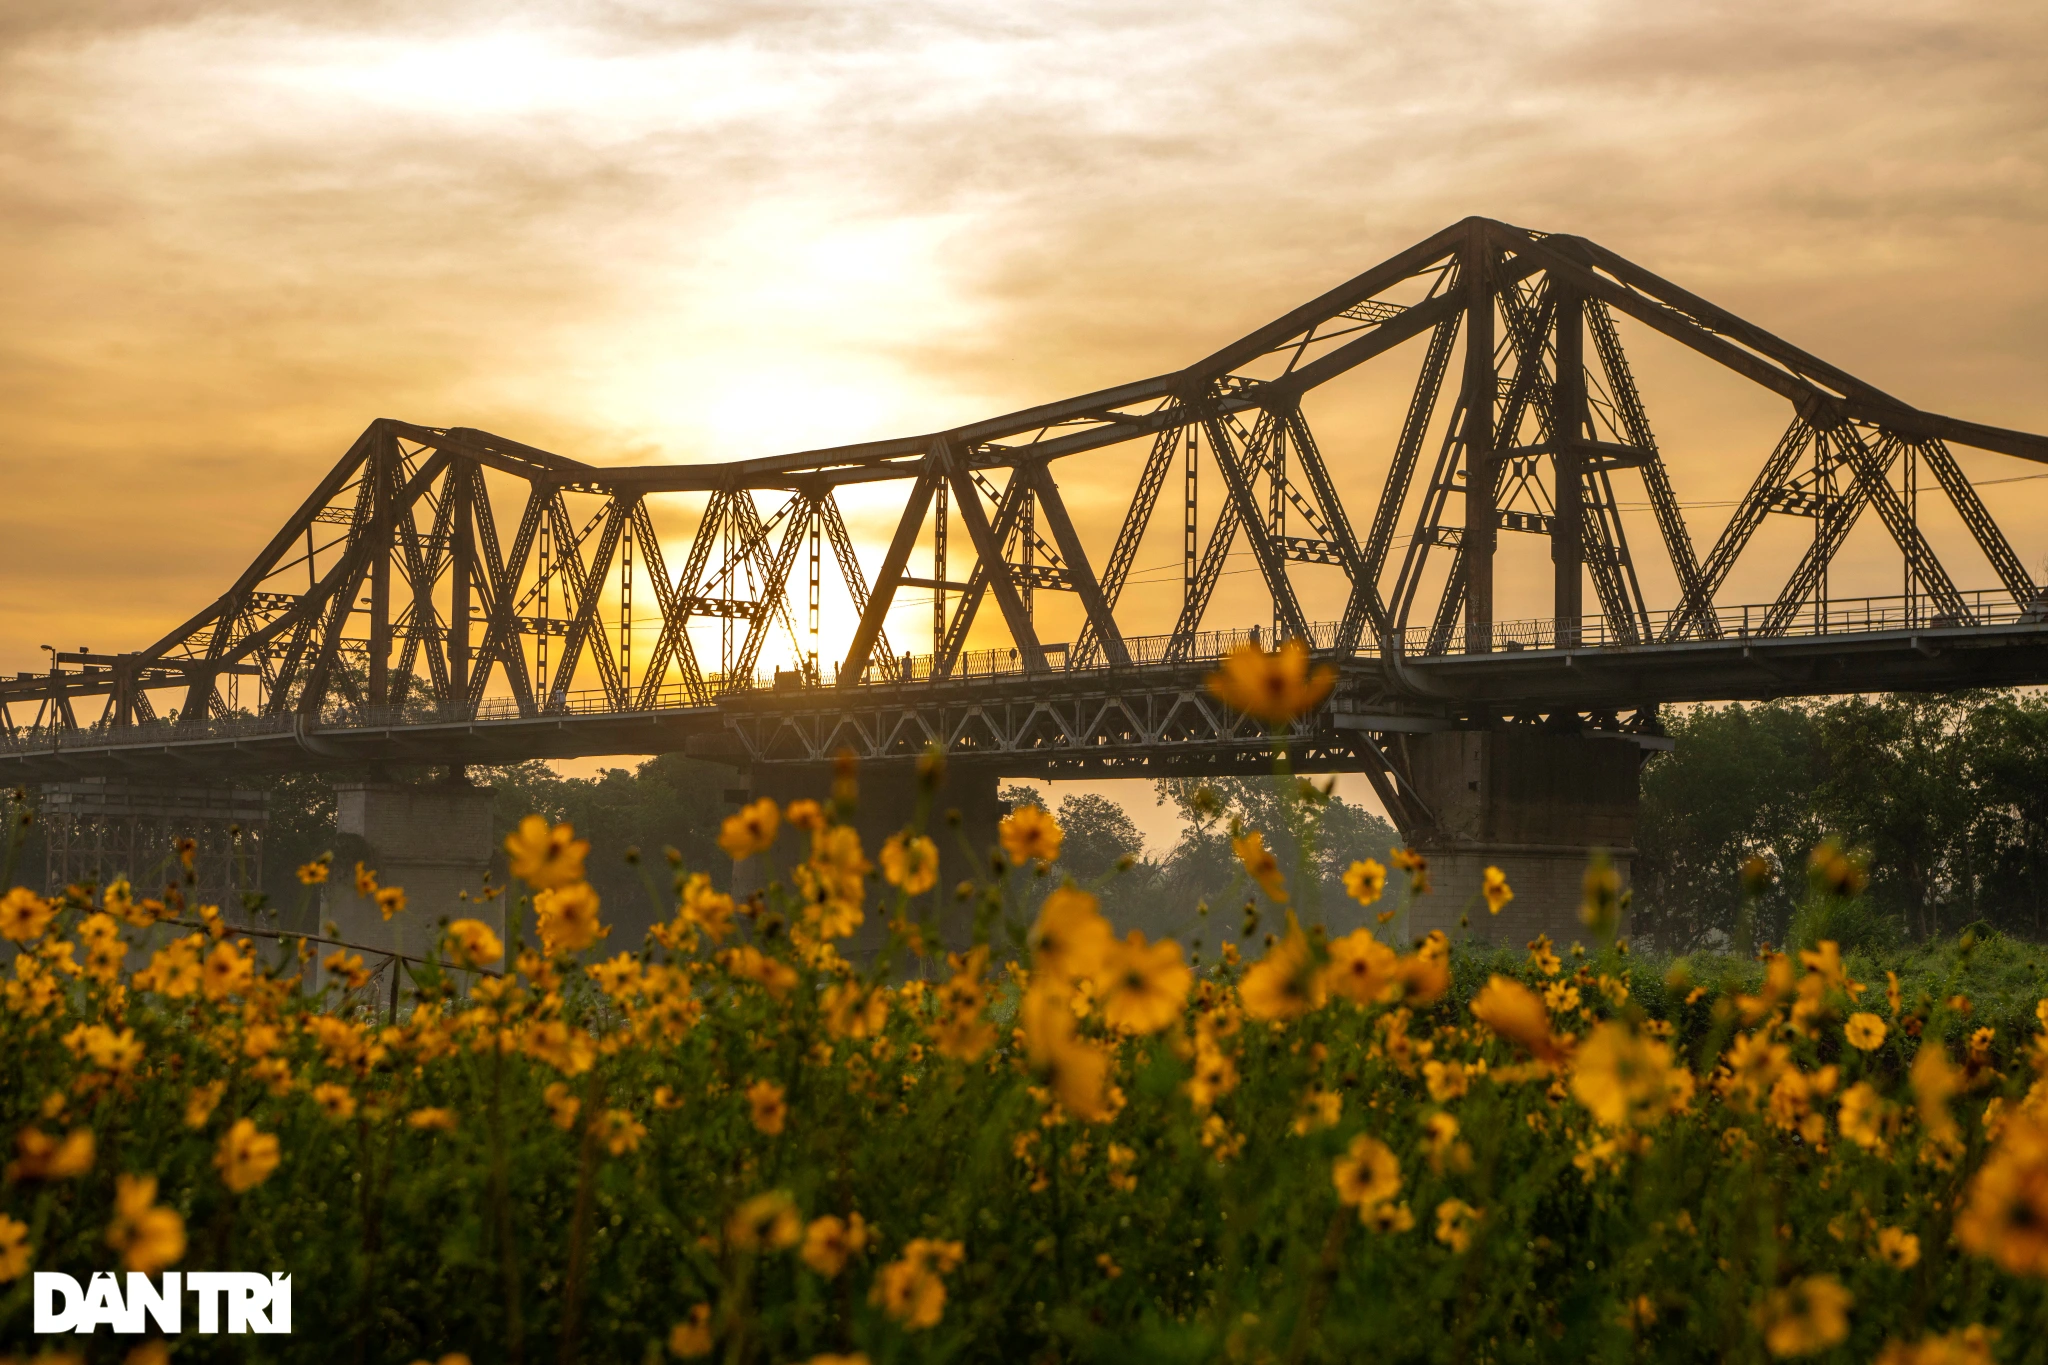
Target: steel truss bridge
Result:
[[445, 595]]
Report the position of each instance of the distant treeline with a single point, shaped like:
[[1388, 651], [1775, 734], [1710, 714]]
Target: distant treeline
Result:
[[1945, 796]]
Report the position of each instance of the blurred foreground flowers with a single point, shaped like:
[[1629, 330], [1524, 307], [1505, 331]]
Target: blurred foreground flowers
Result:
[[743, 1138]]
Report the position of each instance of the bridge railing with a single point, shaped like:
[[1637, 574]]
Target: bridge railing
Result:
[[1841, 616]]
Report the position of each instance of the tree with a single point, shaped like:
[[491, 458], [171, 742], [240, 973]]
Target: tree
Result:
[[1314, 836], [1099, 834], [1740, 782]]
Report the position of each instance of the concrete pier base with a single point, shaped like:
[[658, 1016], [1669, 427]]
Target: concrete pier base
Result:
[[889, 793], [1538, 805], [434, 841]]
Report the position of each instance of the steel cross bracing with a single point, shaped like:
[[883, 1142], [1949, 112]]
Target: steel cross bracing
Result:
[[444, 595]]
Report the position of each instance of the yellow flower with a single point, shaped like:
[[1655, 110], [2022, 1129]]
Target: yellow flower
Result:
[[1144, 986], [245, 1157], [692, 1337], [1283, 984], [1362, 969], [1367, 1175], [1365, 881], [38, 1156], [1260, 864], [1071, 939], [562, 1106], [546, 858], [315, 872], [227, 972], [16, 1255], [1076, 1070], [748, 963], [1627, 1080], [1496, 890], [1447, 1081], [1514, 1012], [766, 1222], [1899, 1248], [620, 1132], [766, 1107], [854, 1011], [1274, 688], [1415, 865], [910, 1289], [1215, 1074], [1455, 1220], [1862, 1116], [472, 944], [1029, 833], [1542, 957], [1970, 1346], [1935, 1080], [431, 1119], [199, 1105], [911, 862], [750, 830], [1389, 1217], [1320, 1109], [335, 1101], [830, 1241], [1805, 1318], [1600, 910], [1865, 1031], [349, 967], [366, 882], [567, 918], [24, 915], [391, 900], [148, 1236], [2006, 1213]]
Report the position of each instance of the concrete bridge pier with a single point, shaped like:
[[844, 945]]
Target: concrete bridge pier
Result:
[[887, 805], [1537, 804], [434, 841]]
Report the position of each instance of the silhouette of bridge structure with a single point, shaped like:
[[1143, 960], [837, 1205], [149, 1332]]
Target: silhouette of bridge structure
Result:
[[447, 596]]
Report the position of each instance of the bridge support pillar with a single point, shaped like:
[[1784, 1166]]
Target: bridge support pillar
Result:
[[888, 804], [1536, 804], [434, 841]]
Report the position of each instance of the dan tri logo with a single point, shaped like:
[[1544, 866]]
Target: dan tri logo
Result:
[[243, 1300]]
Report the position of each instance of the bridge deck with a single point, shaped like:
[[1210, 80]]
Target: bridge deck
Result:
[[1108, 718]]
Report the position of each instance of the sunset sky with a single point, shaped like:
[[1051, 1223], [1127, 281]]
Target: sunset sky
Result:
[[236, 231]]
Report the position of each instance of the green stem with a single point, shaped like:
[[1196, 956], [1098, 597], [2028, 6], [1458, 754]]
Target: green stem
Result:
[[579, 1236], [501, 1195]]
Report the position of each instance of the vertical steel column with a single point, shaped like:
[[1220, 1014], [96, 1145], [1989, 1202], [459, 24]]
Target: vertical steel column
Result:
[[1480, 516], [817, 534], [1190, 548], [383, 470], [938, 570], [1276, 508], [1568, 462], [1911, 477], [1027, 533], [462, 572], [540, 620], [625, 605]]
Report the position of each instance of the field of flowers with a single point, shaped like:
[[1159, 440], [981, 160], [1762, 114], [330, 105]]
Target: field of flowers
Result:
[[732, 1143]]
